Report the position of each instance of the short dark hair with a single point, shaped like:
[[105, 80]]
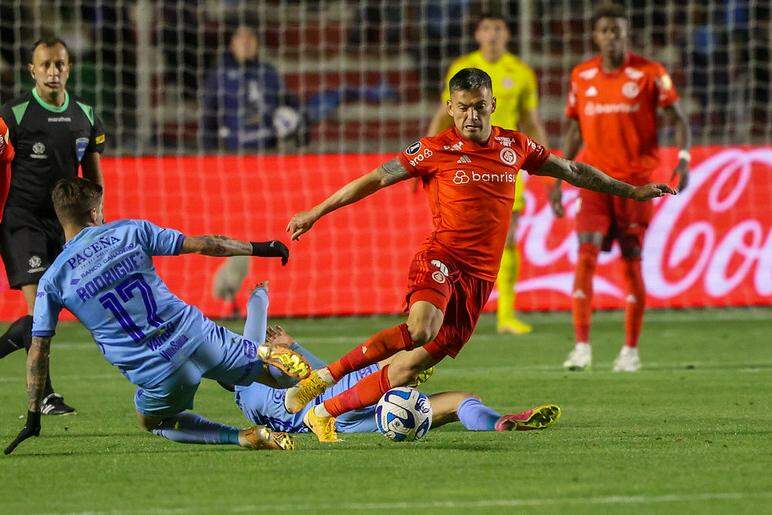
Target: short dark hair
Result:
[[469, 79], [490, 15], [608, 11], [49, 41], [74, 197]]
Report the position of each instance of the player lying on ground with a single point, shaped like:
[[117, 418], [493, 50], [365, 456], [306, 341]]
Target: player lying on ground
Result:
[[106, 278], [264, 405], [469, 173]]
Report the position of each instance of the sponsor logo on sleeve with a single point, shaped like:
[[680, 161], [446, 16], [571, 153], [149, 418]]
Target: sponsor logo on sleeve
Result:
[[413, 148], [588, 74], [442, 271], [665, 82], [81, 144], [426, 154], [35, 265]]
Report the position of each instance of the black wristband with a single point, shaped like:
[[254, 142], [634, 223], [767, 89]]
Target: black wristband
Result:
[[261, 248]]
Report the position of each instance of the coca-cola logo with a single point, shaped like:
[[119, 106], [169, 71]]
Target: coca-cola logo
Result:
[[712, 239]]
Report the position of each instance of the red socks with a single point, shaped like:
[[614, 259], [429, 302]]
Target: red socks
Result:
[[635, 301], [582, 292], [380, 346], [365, 393]]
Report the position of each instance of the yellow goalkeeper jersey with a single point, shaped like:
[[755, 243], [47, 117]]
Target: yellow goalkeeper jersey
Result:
[[514, 85]]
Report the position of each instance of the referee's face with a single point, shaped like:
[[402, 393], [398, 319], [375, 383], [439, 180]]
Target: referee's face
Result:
[[50, 69]]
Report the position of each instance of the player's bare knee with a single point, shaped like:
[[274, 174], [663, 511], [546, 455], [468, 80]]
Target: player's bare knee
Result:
[[421, 333]]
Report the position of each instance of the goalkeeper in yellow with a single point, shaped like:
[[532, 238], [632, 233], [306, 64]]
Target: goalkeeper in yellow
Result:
[[517, 100]]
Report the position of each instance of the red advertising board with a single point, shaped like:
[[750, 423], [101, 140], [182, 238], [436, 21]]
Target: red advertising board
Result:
[[709, 246]]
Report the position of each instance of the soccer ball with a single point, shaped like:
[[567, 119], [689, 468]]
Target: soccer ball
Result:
[[403, 414]]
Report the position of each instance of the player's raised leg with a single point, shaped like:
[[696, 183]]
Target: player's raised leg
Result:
[[423, 324], [581, 304]]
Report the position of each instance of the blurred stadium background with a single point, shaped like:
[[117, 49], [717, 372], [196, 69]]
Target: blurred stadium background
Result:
[[361, 79]]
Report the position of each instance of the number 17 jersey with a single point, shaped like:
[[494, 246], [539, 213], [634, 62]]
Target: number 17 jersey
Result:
[[106, 278]]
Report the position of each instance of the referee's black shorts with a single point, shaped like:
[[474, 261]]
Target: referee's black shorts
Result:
[[29, 243]]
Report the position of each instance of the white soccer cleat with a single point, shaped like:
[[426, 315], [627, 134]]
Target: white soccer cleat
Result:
[[580, 358], [628, 360]]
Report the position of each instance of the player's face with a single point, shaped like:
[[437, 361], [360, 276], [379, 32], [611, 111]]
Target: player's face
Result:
[[244, 45], [610, 34], [492, 35], [50, 68], [471, 112]]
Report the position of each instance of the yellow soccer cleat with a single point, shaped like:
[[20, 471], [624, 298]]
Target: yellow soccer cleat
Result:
[[285, 359], [322, 427], [540, 417], [514, 325], [422, 377], [262, 438], [304, 392]]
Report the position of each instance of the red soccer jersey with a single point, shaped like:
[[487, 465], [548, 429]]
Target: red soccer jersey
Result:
[[471, 189], [7, 154], [617, 114]]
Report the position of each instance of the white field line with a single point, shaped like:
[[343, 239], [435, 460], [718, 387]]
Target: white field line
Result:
[[492, 503]]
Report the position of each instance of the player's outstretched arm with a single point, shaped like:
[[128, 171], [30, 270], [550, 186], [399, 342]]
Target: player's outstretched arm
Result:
[[585, 176], [37, 371], [223, 246], [386, 174]]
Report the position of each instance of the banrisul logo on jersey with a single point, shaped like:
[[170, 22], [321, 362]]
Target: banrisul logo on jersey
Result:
[[81, 144]]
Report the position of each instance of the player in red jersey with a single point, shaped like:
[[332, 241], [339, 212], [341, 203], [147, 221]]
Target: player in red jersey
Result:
[[469, 174], [612, 110]]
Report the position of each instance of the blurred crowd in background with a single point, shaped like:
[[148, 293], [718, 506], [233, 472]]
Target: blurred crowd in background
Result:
[[241, 76]]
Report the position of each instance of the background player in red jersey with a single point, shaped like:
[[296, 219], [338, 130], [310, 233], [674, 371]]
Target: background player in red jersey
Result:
[[469, 174], [612, 109]]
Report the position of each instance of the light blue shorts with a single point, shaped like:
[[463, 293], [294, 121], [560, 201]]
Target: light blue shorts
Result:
[[223, 356]]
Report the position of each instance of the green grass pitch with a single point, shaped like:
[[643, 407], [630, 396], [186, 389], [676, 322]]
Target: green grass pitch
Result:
[[691, 433]]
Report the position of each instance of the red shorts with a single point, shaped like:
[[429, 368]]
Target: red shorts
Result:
[[617, 218], [435, 277]]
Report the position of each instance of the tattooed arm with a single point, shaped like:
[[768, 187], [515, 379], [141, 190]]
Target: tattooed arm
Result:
[[215, 245], [37, 371], [386, 174], [221, 246], [588, 177]]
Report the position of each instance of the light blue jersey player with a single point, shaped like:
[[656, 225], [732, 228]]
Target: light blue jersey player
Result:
[[106, 278], [264, 405]]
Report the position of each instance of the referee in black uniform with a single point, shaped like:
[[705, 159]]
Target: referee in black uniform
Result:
[[53, 134]]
